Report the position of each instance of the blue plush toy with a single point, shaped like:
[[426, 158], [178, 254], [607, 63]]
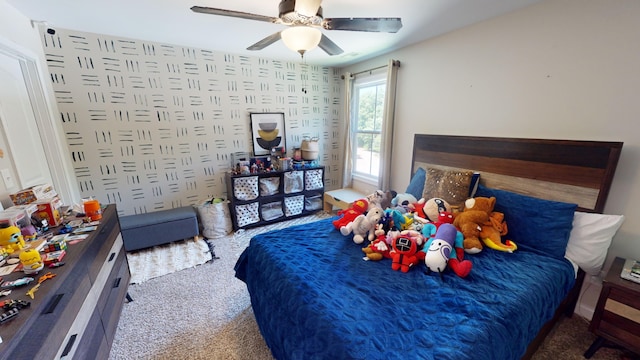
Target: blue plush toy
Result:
[[397, 217], [402, 201]]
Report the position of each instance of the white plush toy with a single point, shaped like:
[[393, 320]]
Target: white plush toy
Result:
[[363, 226]]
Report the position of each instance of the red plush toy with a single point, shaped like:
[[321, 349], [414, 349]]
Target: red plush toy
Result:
[[406, 251], [358, 207], [378, 249]]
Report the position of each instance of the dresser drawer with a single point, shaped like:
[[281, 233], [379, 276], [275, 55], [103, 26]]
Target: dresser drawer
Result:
[[110, 270], [630, 299], [617, 316], [117, 292], [93, 344], [104, 247]]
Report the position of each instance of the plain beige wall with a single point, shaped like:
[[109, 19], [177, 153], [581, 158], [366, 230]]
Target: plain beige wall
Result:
[[564, 69]]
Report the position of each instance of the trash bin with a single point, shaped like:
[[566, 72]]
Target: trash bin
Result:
[[215, 218]]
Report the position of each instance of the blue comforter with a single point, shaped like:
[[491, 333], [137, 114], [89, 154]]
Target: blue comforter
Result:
[[314, 297]]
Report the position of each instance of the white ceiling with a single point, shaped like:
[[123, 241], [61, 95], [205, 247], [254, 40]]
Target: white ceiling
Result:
[[172, 22]]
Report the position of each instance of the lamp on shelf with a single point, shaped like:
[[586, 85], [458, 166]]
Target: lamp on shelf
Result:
[[301, 38]]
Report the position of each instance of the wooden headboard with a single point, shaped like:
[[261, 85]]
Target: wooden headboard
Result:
[[578, 172]]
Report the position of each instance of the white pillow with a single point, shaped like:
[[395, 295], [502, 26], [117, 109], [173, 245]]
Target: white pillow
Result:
[[590, 239]]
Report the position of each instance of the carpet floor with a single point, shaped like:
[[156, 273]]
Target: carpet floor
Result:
[[204, 312]]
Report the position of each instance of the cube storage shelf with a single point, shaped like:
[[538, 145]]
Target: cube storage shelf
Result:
[[266, 198]]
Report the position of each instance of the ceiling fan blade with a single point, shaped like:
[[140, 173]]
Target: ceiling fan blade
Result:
[[265, 42], [307, 7], [329, 46], [390, 25], [231, 13]]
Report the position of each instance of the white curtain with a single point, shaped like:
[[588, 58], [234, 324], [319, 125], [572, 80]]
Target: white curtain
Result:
[[384, 177], [347, 161]]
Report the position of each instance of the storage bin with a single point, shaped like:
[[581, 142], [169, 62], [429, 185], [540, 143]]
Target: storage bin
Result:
[[247, 214], [313, 179], [271, 211], [293, 182], [215, 219], [313, 203], [310, 149], [293, 205], [245, 188], [269, 186]]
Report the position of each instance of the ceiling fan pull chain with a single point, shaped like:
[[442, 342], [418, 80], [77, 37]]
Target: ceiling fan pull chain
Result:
[[304, 74]]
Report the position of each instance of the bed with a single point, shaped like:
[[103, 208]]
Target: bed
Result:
[[314, 297]]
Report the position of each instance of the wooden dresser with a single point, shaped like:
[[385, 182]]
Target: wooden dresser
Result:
[[75, 314], [617, 316]]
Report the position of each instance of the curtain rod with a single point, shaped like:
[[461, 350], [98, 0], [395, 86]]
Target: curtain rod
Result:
[[393, 63]]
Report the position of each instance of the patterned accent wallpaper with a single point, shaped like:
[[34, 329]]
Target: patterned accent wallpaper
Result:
[[152, 126]]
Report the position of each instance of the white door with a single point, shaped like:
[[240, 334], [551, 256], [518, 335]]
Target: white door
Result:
[[24, 151]]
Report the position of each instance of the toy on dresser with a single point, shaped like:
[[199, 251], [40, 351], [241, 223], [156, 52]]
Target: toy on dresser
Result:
[[31, 261], [11, 239]]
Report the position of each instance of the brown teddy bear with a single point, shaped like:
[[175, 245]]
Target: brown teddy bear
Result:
[[476, 213]]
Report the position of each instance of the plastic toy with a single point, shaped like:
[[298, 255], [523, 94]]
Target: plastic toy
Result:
[[15, 304], [16, 283], [65, 229], [54, 257], [8, 315], [42, 278], [29, 232], [11, 239], [57, 243], [31, 261]]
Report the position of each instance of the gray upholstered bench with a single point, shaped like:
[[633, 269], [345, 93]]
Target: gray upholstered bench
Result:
[[158, 228]]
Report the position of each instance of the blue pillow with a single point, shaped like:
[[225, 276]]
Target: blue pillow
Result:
[[416, 185], [533, 223]]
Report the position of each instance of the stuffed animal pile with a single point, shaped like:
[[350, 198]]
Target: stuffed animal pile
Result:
[[411, 232]]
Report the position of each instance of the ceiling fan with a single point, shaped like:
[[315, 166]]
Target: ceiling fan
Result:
[[304, 18]]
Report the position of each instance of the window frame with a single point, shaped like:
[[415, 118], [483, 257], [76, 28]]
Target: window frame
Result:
[[361, 82]]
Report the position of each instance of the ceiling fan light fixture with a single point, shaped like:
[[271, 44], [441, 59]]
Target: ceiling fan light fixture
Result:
[[307, 8], [301, 38]]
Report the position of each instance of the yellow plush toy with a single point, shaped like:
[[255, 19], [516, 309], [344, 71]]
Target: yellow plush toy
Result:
[[11, 239]]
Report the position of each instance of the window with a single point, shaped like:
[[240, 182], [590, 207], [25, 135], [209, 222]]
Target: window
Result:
[[368, 114]]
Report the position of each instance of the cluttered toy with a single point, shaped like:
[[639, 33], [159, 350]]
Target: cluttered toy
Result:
[[31, 261], [42, 279], [17, 283], [11, 239]]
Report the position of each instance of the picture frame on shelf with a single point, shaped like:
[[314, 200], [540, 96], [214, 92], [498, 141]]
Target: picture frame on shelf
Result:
[[267, 132]]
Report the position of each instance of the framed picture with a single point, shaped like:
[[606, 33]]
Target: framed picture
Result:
[[267, 131]]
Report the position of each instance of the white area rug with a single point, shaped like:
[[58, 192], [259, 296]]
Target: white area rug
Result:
[[165, 259]]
